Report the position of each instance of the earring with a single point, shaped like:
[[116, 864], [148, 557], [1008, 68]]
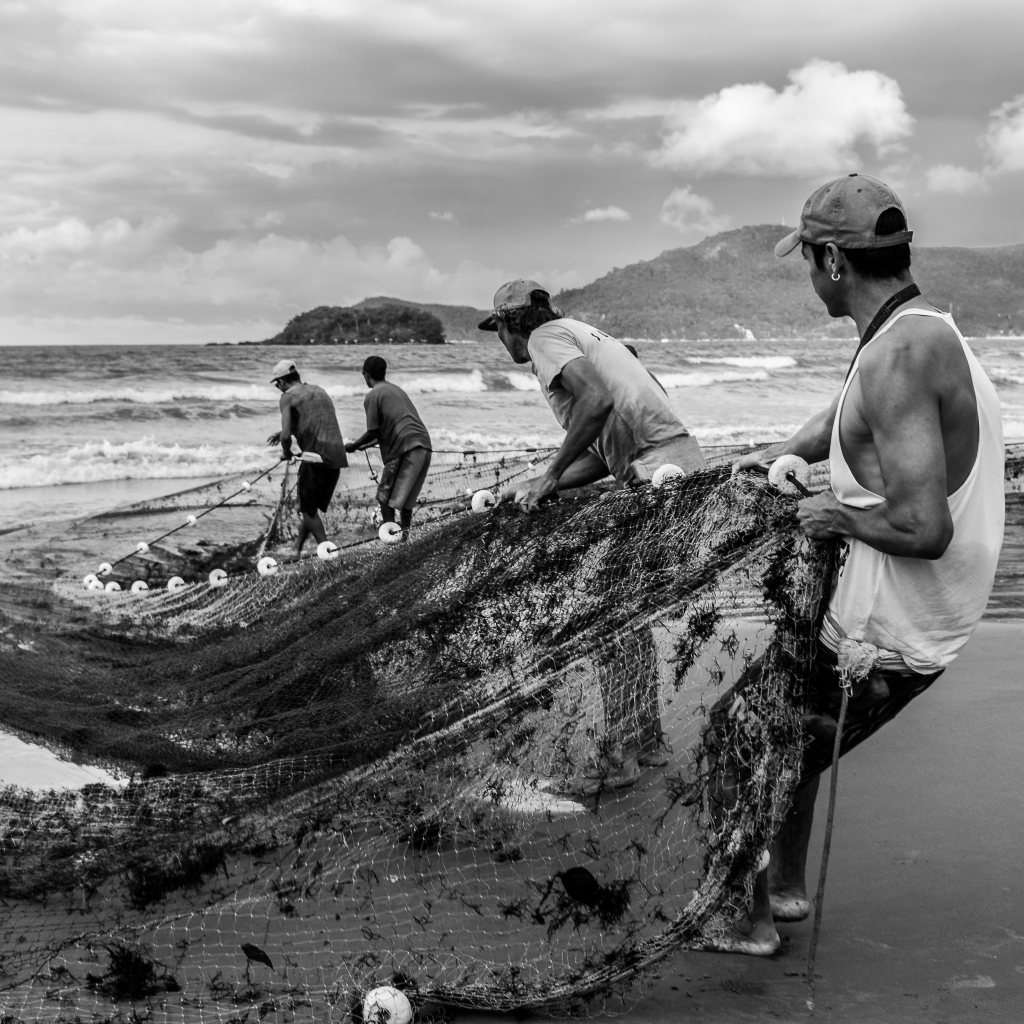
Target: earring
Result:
[[835, 276]]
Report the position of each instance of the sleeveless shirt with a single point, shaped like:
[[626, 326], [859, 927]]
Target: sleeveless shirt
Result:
[[925, 609]]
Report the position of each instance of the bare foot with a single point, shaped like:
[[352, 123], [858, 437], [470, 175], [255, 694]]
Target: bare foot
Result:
[[790, 905], [742, 936]]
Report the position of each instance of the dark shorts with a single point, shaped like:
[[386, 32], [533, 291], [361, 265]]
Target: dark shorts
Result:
[[403, 478], [865, 714], [316, 486]]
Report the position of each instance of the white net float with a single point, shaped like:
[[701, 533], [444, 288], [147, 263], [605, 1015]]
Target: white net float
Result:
[[267, 566], [113, 585], [390, 533], [469, 492], [482, 501], [246, 486], [327, 551], [94, 585], [175, 583], [218, 578], [784, 465], [89, 578], [139, 586], [191, 520], [386, 1005], [666, 472], [763, 861], [142, 547], [105, 569]]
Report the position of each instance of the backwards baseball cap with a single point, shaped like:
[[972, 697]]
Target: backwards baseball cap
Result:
[[845, 211], [282, 368], [516, 294]]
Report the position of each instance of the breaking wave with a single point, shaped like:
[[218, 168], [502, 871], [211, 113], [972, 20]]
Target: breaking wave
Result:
[[764, 362]]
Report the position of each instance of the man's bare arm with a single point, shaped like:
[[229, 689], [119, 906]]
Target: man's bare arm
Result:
[[592, 405], [366, 441], [900, 405], [286, 425], [811, 442]]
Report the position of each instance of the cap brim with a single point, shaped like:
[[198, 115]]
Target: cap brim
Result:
[[788, 244], [490, 324]]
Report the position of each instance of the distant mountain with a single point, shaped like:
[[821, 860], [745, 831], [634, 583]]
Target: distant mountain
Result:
[[732, 283], [459, 321]]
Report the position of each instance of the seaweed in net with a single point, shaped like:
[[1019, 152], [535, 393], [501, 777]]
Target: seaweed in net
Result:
[[424, 759]]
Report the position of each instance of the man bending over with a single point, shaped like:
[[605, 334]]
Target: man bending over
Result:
[[915, 444], [307, 414], [393, 422]]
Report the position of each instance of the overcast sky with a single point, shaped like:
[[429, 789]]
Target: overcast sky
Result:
[[189, 170]]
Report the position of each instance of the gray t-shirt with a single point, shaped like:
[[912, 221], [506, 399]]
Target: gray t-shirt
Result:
[[642, 416], [315, 424], [390, 411]]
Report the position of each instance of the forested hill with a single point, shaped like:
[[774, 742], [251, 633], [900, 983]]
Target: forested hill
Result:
[[733, 282]]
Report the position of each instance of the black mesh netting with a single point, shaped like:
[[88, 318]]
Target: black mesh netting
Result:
[[432, 764]]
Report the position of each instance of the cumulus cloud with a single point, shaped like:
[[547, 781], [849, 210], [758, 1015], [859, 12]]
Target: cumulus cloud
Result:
[[957, 180], [1004, 140], [447, 216], [604, 213], [690, 213], [811, 127]]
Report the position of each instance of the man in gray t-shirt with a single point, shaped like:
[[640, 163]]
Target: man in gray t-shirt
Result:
[[617, 418], [393, 422]]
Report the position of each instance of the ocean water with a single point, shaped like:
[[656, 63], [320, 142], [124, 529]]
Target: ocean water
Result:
[[87, 428]]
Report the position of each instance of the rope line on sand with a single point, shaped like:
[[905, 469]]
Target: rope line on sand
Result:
[[819, 897], [192, 520]]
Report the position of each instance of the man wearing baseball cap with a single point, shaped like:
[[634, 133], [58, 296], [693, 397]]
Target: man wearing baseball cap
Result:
[[618, 421], [915, 444], [307, 414]]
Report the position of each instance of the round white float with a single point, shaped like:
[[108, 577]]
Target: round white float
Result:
[[386, 1005], [784, 465], [482, 501], [105, 569], [327, 551], [89, 578], [246, 486], [175, 583], [390, 533], [94, 585], [267, 566], [191, 520], [666, 472], [763, 861], [218, 578], [142, 547], [113, 585], [139, 586]]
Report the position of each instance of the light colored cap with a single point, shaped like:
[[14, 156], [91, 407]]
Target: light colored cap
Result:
[[282, 368], [845, 211], [516, 294]]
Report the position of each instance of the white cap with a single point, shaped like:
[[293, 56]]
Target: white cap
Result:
[[282, 368]]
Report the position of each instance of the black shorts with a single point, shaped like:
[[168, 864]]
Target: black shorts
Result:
[[316, 486], [864, 716]]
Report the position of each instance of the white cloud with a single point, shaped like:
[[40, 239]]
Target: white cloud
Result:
[[689, 213], [958, 180], [605, 213], [811, 127], [447, 216], [1004, 139]]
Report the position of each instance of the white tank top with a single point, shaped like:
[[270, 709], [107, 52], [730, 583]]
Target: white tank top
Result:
[[925, 609]]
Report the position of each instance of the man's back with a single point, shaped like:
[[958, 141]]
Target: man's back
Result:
[[315, 423], [391, 412], [642, 416]]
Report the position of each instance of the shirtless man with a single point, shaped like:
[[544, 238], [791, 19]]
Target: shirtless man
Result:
[[307, 414], [916, 449]]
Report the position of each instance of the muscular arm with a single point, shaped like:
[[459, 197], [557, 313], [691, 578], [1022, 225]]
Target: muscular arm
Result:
[[811, 442], [592, 405], [900, 404], [366, 441]]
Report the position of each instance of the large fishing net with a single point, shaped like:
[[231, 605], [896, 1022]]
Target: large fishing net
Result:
[[480, 766]]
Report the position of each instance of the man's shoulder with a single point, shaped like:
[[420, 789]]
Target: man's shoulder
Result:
[[914, 344]]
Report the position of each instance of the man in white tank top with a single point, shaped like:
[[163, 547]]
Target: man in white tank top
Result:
[[915, 445]]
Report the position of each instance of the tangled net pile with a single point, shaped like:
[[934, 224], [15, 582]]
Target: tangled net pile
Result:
[[398, 767]]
